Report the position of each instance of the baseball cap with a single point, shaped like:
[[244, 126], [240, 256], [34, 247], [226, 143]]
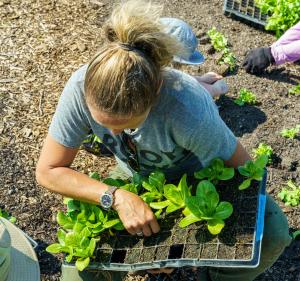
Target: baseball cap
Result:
[[185, 35]]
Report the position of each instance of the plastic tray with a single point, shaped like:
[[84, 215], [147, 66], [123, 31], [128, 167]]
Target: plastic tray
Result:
[[245, 9], [116, 257]]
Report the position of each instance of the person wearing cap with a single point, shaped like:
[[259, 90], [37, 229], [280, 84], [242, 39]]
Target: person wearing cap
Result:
[[18, 261], [183, 32], [151, 117], [285, 49]]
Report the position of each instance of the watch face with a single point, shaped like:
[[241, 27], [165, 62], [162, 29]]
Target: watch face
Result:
[[106, 200]]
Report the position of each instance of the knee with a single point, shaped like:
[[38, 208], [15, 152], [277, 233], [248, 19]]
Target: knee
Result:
[[276, 232]]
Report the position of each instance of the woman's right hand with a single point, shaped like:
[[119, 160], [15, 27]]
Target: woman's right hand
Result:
[[134, 213], [209, 77]]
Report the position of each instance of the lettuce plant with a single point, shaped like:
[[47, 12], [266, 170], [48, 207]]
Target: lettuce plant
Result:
[[206, 206], [290, 133], [295, 90], [82, 225], [220, 44], [253, 170], [134, 186], [175, 196], [229, 59], [217, 39], [7, 216], [263, 149], [215, 171], [283, 14], [77, 245], [154, 186], [245, 97], [290, 195]]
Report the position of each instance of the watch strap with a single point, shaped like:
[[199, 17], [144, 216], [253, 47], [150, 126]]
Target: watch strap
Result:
[[111, 189]]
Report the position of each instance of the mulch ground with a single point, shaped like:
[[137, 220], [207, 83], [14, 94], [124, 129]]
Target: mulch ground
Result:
[[43, 42]]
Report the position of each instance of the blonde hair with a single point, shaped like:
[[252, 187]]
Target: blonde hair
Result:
[[123, 78]]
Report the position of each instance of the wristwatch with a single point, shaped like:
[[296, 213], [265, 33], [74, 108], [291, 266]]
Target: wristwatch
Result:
[[107, 198]]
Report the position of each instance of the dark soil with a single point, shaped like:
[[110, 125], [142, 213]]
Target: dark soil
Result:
[[42, 45]]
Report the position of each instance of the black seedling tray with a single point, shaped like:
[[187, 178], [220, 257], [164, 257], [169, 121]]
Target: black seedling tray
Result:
[[245, 9], [238, 245]]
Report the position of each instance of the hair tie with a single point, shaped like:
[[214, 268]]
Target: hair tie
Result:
[[127, 47]]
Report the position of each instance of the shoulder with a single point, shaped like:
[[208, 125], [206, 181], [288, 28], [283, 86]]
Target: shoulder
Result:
[[74, 88], [185, 95], [77, 78]]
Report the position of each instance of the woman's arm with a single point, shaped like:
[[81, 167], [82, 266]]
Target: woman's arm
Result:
[[239, 157], [53, 172]]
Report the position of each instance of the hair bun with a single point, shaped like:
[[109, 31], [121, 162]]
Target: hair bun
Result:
[[109, 33]]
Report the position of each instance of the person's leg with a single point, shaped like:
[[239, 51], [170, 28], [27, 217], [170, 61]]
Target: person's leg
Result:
[[70, 273], [276, 238]]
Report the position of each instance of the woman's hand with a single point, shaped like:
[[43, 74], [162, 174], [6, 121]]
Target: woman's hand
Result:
[[134, 213], [209, 77]]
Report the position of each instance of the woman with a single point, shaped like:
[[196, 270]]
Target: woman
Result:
[[148, 116], [285, 49]]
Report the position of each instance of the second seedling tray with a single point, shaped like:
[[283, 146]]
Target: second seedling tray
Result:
[[245, 9]]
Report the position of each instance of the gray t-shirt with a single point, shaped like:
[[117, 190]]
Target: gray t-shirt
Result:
[[182, 133]]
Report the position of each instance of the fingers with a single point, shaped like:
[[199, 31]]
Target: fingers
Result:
[[145, 226], [147, 230], [154, 225], [210, 77]]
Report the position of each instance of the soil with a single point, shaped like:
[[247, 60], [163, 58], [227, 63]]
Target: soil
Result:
[[42, 45], [192, 251], [132, 256]]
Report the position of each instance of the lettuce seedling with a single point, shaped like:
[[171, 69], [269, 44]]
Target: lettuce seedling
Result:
[[82, 225], [245, 97], [77, 245], [263, 149], [215, 171], [295, 90], [220, 44], [206, 206], [155, 187], [290, 133], [229, 59], [7, 216], [253, 170], [175, 195], [290, 196], [217, 39]]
